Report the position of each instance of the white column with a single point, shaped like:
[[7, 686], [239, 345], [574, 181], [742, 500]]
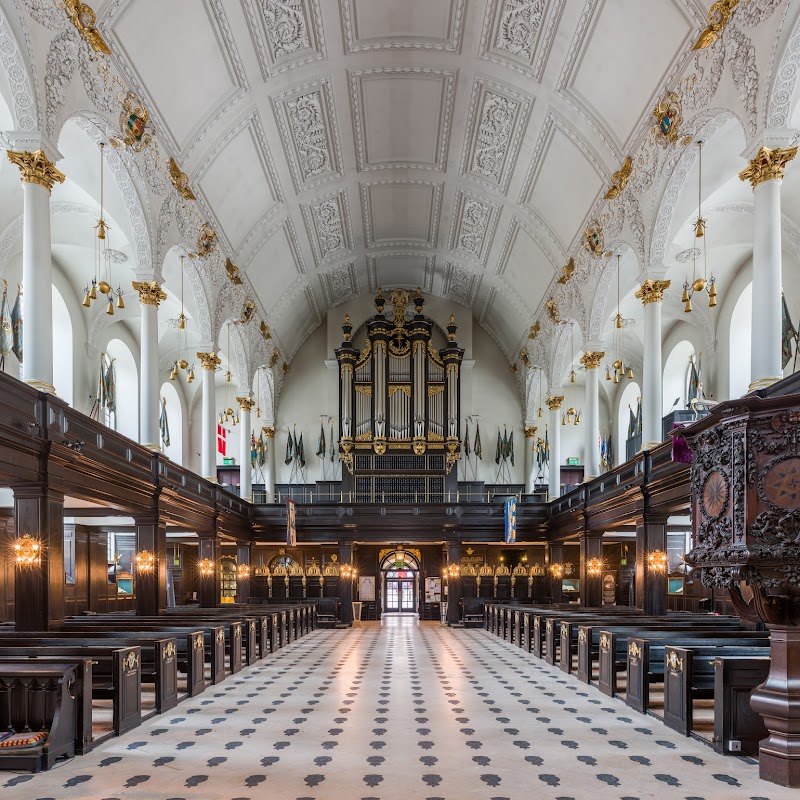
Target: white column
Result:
[[245, 432], [210, 362], [591, 459], [765, 173], [554, 404], [269, 463], [38, 176], [150, 295], [651, 294], [530, 457]]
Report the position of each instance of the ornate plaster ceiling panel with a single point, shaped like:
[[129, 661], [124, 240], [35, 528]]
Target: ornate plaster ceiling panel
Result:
[[416, 24], [523, 264], [403, 269], [240, 185], [340, 284], [473, 225], [519, 34], [401, 213], [610, 38], [168, 57], [329, 228], [460, 284], [307, 123], [498, 117], [287, 33], [402, 116], [562, 158]]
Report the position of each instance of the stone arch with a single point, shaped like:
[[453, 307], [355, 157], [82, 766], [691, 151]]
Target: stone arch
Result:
[[783, 96], [23, 96], [706, 124]]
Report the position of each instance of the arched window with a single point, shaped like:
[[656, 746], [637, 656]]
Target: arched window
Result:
[[630, 395], [62, 348], [676, 376], [125, 418], [282, 561], [173, 450], [740, 344]]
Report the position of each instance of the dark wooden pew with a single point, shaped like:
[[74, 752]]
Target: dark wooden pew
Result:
[[37, 697]]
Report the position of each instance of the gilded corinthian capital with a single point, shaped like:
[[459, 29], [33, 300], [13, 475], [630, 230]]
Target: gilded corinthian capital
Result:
[[209, 361], [652, 291], [591, 360], [554, 402], [768, 165], [150, 293], [36, 167]]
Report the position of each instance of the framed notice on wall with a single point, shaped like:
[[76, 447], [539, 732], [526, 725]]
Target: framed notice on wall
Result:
[[366, 589], [433, 590]]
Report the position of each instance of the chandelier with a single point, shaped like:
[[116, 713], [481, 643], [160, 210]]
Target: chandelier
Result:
[[228, 414], [704, 283], [571, 415], [102, 259], [183, 335], [618, 366]]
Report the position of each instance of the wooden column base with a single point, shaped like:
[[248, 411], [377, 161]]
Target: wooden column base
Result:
[[777, 700]]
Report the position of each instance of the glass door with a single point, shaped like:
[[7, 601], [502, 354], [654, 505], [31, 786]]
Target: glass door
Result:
[[392, 599], [407, 600], [400, 592]]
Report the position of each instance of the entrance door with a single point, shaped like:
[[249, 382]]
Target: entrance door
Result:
[[400, 596]]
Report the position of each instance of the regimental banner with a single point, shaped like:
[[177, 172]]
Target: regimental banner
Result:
[[291, 523], [510, 517], [222, 440]]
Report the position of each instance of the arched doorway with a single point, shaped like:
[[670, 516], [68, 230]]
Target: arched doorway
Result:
[[400, 582]]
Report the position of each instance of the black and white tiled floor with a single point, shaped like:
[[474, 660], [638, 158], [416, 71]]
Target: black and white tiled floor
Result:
[[400, 710]]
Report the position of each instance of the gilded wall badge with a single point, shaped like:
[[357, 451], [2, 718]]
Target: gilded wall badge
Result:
[[84, 19], [133, 121], [248, 310], [265, 331], [206, 240], [567, 272], [180, 181], [619, 180], [593, 240], [233, 273], [551, 307], [668, 119], [718, 17], [534, 330]]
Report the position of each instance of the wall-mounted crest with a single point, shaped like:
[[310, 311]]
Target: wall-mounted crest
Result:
[[133, 121], [593, 240], [551, 307], [206, 240], [525, 358], [534, 330], [248, 311], [619, 180], [668, 116], [266, 333], [567, 272], [273, 359], [180, 181], [83, 18], [718, 17], [233, 273]]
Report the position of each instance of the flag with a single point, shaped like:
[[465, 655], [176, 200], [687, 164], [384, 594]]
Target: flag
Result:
[[510, 519], [511, 447], [262, 449], [222, 440], [289, 448], [253, 450], [321, 443], [6, 335], [788, 335], [546, 447], [694, 384], [631, 422], [466, 442], [478, 448], [110, 386], [333, 445], [301, 454], [163, 423], [638, 415], [498, 451], [609, 452], [603, 461], [16, 325]]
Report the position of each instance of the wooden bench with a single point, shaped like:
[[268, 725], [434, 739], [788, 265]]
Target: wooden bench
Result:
[[472, 611], [327, 612], [38, 697]]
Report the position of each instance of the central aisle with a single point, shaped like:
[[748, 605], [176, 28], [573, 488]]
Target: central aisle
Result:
[[397, 710]]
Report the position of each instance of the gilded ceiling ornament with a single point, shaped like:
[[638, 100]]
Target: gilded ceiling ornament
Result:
[[534, 330], [552, 310], [285, 367], [180, 181], [209, 361], [265, 331], [593, 240], [619, 180], [36, 167], [525, 358], [718, 17], [150, 293], [567, 272], [513, 368], [206, 240], [591, 360], [668, 116], [273, 359], [133, 122], [233, 273], [248, 311], [652, 291], [554, 402], [768, 165], [83, 18]]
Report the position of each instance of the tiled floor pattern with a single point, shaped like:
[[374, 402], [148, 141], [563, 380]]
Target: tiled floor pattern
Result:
[[400, 710]]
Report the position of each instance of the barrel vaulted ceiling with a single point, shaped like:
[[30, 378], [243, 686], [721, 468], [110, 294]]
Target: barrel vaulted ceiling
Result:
[[463, 146]]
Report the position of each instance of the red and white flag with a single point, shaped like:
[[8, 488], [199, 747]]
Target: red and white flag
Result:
[[222, 440]]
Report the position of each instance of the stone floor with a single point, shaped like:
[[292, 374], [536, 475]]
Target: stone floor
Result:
[[405, 710]]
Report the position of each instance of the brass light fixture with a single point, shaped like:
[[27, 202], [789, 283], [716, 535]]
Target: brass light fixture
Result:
[[228, 414], [657, 561], [349, 572], [144, 562], [182, 363], [704, 283], [594, 567], [557, 570], [206, 567], [243, 571], [102, 256], [27, 551], [571, 415], [618, 366], [539, 412]]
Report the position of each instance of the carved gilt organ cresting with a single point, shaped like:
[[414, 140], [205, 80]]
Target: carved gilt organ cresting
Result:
[[399, 396]]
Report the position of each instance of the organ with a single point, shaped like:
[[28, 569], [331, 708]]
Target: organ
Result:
[[400, 403]]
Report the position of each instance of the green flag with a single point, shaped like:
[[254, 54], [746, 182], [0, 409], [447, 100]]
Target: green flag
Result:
[[16, 326], [262, 450], [694, 383], [511, 447], [639, 415], [6, 335], [631, 423], [478, 448], [333, 445], [301, 455], [466, 442], [289, 449], [788, 334], [163, 423], [321, 443], [498, 451]]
